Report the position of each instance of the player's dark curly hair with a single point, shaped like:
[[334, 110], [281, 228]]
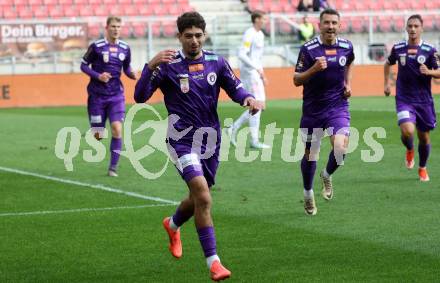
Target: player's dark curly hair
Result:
[[189, 20], [415, 17]]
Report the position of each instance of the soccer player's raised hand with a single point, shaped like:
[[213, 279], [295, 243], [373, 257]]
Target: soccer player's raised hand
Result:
[[320, 64], [254, 105], [347, 91], [387, 90], [105, 77], [424, 70], [164, 56]]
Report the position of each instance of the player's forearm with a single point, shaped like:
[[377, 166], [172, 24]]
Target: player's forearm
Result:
[[128, 71], [301, 78], [143, 89], [239, 95], [435, 73], [348, 75], [386, 73], [87, 70]]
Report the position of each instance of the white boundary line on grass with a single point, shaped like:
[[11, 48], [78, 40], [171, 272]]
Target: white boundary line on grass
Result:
[[78, 210], [99, 187]]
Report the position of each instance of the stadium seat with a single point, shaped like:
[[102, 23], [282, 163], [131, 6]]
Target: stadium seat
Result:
[[17, 3], [398, 23], [24, 12], [70, 11], [169, 29], [85, 11], [9, 13], [56, 12], [125, 31], [41, 12], [35, 2], [129, 10], [81, 2], [139, 29], [143, 10], [65, 2], [95, 30], [100, 11], [95, 2]]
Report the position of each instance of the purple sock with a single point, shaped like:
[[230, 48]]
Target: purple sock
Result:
[[179, 218], [408, 142], [424, 150], [308, 169], [115, 144], [207, 240], [332, 164]]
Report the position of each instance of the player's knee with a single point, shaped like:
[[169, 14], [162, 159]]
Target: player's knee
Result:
[[203, 201], [116, 132]]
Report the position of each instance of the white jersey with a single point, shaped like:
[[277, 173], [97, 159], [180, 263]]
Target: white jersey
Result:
[[251, 52]]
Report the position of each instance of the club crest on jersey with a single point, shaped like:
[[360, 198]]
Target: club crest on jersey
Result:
[[402, 58], [211, 78], [184, 84], [105, 56], [342, 61], [421, 59], [121, 56]]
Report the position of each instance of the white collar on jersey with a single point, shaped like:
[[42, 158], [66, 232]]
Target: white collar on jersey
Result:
[[320, 41], [420, 44]]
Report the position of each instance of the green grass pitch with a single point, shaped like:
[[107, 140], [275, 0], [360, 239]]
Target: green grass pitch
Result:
[[382, 225]]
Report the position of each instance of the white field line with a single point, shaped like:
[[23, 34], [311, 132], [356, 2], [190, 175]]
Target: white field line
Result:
[[78, 210], [81, 184]]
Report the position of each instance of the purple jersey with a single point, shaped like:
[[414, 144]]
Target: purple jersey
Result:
[[325, 89], [412, 86], [110, 58], [191, 88]]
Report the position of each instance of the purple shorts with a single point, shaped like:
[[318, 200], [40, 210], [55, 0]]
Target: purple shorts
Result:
[[192, 160], [422, 115], [101, 107], [336, 121]]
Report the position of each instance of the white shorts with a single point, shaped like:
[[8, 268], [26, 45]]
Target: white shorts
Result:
[[254, 84]]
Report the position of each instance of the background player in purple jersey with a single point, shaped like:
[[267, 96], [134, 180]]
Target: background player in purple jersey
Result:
[[106, 99], [324, 69], [417, 63], [190, 80]]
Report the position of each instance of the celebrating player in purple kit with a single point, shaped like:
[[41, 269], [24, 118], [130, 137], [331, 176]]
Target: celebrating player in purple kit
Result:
[[106, 93], [418, 62], [324, 69], [190, 80]]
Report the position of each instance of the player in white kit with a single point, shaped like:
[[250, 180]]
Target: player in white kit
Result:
[[252, 77]]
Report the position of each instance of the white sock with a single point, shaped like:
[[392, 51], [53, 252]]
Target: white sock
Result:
[[240, 121], [173, 226], [325, 174], [211, 259], [254, 126], [308, 193]]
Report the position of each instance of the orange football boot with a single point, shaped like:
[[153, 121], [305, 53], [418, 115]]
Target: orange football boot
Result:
[[219, 272], [175, 246]]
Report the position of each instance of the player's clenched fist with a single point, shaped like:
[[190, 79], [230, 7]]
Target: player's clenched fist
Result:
[[105, 77], [320, 64], [164, 56]]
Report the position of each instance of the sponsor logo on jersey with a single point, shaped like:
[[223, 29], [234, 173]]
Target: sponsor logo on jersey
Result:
[[330, 52], [113, 49], [412, 51], [195, 68], [211, 57], [344, 45]]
